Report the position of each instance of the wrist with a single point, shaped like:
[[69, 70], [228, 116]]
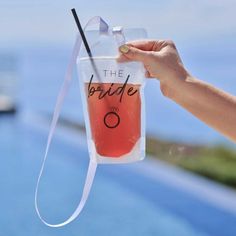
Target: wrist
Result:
[[172, 85]]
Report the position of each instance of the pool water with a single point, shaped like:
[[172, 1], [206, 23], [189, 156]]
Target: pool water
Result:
[[123, 201]]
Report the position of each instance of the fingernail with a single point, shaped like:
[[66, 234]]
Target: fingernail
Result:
[[124, 48]]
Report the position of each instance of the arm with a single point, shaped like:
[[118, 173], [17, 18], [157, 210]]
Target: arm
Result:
[[161, 60], [213, 106]]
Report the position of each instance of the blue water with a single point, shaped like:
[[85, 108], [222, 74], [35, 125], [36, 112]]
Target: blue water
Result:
[[123, 201]]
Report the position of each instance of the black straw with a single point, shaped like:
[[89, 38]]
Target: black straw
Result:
[[85, 43], [87, 48], [81, 32]]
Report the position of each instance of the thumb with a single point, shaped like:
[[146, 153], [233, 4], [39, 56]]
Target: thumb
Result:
[[133, 53]]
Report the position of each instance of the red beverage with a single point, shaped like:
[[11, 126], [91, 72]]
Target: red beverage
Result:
[[115, 117]]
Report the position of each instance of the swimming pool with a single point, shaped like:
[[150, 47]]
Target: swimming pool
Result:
[[125, 199]]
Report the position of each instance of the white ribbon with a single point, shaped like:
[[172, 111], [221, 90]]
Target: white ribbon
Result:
[[103, 28]]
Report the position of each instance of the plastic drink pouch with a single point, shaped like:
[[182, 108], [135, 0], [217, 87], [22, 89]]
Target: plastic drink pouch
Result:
[[113, 102], [113, 107]]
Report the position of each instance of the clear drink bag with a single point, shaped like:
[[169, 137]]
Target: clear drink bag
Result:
[[113, 102]]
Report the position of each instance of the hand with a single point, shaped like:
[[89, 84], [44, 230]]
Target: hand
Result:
[[160, 59]]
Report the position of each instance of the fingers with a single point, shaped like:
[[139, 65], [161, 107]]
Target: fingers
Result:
[[147, 74], [145, 45], [132, 53], [135, 50], [148, 45], [121, 58]]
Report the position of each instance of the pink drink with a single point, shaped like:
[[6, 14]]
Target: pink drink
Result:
[[115, 115]]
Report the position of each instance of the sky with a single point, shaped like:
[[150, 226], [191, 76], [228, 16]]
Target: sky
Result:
[[25, 22]]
